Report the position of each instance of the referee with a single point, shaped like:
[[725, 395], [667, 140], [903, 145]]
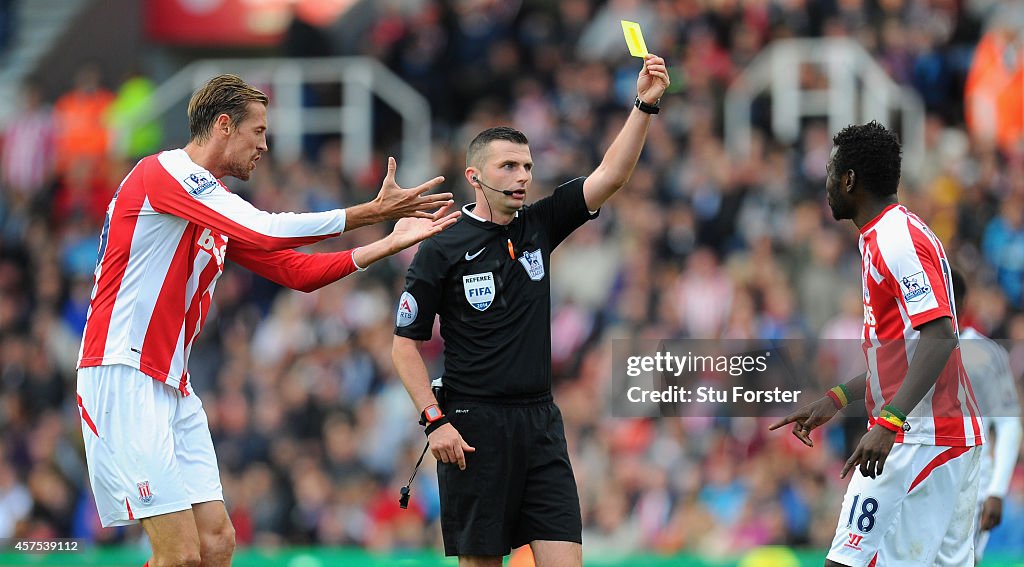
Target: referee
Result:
[[505, 477]]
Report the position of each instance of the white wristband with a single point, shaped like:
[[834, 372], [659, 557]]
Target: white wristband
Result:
[[358, 269]]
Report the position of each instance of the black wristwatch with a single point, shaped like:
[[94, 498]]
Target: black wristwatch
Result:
[[648, 108]]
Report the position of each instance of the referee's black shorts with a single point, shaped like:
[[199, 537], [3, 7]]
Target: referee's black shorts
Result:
[[518, 485]]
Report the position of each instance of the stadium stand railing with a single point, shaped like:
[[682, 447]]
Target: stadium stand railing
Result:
[[360, 78], [851, 76]]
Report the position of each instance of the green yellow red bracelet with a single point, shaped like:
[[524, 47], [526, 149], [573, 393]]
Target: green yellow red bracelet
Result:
[[892, 419], [840, 396]]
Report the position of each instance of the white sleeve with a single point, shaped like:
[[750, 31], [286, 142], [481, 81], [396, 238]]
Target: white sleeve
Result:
[[1007, 448], [190, 192], [988, 367]]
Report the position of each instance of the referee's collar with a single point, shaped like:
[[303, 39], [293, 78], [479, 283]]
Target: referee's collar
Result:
[[467, 211]]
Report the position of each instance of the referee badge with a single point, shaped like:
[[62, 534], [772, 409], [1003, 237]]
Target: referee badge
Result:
[[479, 290], [407, 310], [534, 264]]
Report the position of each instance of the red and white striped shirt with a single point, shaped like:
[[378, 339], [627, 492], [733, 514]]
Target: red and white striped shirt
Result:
[[26, 161], [162, 248], [907, 283]]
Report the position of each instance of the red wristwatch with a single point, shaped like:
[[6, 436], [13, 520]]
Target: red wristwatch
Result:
[[430, 414]]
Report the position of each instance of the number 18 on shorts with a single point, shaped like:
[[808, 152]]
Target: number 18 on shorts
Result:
[[919, 511]]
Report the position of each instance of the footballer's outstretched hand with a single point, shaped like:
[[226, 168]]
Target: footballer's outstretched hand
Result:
[[807, 418], [871, 452], [394, 202], [408, 231]]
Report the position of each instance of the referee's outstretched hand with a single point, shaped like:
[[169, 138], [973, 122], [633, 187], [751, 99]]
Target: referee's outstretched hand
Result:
[[448, 446]]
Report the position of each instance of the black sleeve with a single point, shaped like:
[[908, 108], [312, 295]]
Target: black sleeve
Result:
[[564, 211], [418, 305]]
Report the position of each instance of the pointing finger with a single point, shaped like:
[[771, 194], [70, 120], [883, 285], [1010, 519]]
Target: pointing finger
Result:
[[850, 463], [788, 419]]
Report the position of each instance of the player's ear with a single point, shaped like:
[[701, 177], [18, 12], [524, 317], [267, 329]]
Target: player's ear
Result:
[[222, 124], [851, 180]]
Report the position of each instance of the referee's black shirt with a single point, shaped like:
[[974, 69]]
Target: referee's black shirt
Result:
[[495, 310]]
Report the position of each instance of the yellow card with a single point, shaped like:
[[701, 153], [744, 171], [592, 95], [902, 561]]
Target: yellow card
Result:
[[634, 39]]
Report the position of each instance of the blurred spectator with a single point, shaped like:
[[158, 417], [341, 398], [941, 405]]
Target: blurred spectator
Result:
[[15, 501], [80, 195], [994, 93], [1003, 246], [26, 162], [134, 136], [80, 122]]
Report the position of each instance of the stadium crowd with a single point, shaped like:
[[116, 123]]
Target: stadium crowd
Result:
[[312, 426]]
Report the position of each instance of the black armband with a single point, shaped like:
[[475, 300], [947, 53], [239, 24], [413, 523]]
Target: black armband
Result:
[[433, 425]]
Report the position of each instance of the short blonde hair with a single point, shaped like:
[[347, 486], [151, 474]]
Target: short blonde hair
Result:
[[223, 94]]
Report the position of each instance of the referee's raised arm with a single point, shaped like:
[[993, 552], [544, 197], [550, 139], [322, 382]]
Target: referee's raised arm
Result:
[[619, 160]]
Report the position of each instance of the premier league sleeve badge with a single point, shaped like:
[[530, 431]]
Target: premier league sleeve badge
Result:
[[534, 264]]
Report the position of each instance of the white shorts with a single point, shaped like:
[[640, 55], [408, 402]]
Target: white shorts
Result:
[[920, 511], [147, 446]]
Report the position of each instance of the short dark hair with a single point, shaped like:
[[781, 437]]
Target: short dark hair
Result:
[[476, 147], [223, 94], [959, 286], [873, 152]]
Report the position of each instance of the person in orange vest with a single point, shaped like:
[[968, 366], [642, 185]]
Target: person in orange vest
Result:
[[80, 128], [994, 93]]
